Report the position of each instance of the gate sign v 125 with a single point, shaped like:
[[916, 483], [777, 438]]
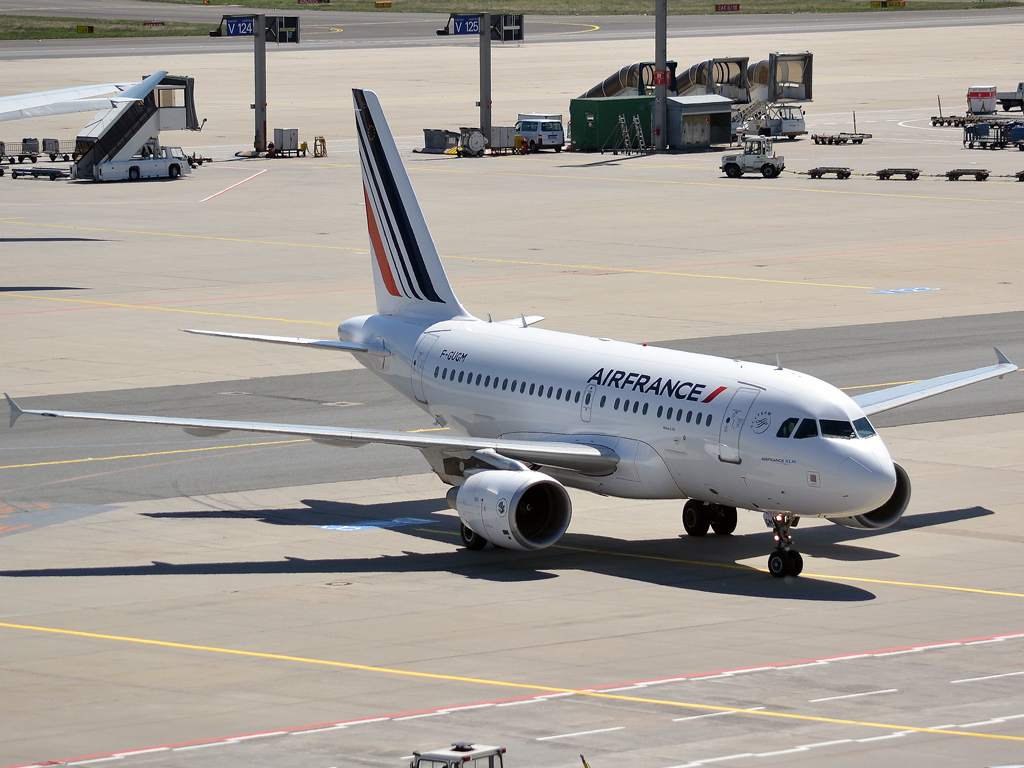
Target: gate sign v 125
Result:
[[239, 27], [466, 25]]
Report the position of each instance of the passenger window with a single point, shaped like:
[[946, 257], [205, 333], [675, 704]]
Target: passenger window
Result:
[[616, 406], [689, 415], [514, 384], [603, 398], [438, 368], [558, 395], [707, 421], [445, 374], [522, 388], [532, 388], [836, 428], [487, 381], [787, 427], [504, 385], [807, 428], [496, 382], [679, 414], [669, 414], [550, 389], [478, 379], [863, 427], [568, 395], [461, 374], [636, 404], [660, 409], [625, 406], [700, 417], [469, 378], [645, 409], [577, 398]]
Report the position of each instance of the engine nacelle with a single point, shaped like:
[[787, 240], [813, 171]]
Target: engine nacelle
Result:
[[516, 510], [888, 513]]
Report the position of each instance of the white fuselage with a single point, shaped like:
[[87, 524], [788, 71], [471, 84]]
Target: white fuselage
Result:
[[684, 425]]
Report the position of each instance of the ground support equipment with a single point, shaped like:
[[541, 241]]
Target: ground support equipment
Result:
[[979, 174], [841, 173], [840, 138], [47, 173], [910, 174]]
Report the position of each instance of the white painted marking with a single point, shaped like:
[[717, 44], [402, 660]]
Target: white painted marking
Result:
[[986, 677], [369, 720], [417, 717], [780, 752], [580, 733], [992, 721], [97, 760], [468, 706], [727, 757], [143, 751], [623, 688], [899, 653], [808, 664], [517, 703], [555, 695], [853, 695], [200, 746], [714, 714], [319, 730], [896, 735], [228, 189], [826, 743], [943, 645], [257, 736]]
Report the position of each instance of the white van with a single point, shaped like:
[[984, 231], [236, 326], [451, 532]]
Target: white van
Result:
[[541, 131]]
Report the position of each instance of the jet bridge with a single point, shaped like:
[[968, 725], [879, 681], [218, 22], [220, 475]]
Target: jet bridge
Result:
[[120, 132], [781, 77], [632, 80], [716, 77]]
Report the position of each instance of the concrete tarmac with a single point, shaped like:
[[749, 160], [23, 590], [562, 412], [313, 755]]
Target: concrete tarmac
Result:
[[210, 598]]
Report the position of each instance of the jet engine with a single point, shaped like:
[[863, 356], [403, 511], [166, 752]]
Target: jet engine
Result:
[[888, 513], [516, 510]]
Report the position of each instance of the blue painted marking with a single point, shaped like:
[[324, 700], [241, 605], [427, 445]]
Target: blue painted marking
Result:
[[367, 525], [907, 290]]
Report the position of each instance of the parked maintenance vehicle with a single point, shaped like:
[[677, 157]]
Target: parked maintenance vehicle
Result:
[[152, 162], [757, 157], [1011, 99]]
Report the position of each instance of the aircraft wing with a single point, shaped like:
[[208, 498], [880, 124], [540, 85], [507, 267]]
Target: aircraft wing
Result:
[[78, 99], [884, 399], [584, 458], [373, 347]]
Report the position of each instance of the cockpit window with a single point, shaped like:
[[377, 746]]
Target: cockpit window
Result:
[[863, 427], [835, 428], [787, 427], [807, 428]]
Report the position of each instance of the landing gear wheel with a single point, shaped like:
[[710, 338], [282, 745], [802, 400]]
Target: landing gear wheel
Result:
[[696, 518], [723, 520], [797, 563], [471, 539], [779, 563]]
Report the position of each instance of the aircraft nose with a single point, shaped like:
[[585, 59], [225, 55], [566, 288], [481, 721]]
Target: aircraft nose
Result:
[[868, 481]]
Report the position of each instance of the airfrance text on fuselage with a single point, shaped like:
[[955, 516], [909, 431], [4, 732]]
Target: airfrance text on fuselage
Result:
[[680, 390]]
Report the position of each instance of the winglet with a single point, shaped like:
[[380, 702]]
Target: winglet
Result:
[[16, 409], [1001, 357]]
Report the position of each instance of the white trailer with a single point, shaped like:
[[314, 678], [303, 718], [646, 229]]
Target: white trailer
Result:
[[981, 99], [153, 162]]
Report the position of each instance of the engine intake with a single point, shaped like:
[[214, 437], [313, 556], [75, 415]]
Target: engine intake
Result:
[[516, 510], [888, 513]]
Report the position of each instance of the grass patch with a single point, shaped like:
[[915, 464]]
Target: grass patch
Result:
[[613, 7], [52, 28]]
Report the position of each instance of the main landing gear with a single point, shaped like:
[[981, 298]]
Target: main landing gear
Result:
[[784, 561], [698, 516]]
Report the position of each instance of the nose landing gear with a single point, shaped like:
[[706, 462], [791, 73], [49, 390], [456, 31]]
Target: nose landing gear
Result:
[[784, 561]]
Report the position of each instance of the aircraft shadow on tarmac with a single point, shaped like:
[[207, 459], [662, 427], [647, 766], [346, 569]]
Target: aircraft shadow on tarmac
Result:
[[708, 564]]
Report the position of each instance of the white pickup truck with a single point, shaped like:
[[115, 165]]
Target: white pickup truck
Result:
[[1010, 99], [163, 163]]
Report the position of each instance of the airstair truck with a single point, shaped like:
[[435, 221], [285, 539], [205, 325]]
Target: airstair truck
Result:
[[122, 132], [152, 162]]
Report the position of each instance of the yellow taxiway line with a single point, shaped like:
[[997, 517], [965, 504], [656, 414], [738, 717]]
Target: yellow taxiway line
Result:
[[507, 684]]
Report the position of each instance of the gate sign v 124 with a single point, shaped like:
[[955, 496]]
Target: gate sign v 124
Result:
[[239, 27], [466, 25]]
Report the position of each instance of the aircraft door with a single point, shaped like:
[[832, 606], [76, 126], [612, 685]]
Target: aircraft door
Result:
[[732, 424], [419, 362], [588, 402]]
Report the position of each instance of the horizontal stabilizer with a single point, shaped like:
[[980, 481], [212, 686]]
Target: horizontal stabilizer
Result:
[[885, 399], [372, 348], [587, 459]]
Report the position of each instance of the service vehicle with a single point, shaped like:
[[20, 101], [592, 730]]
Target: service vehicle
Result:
[[1011, 99], [778, 120], [981, 99], [757, 157], [541, 131], [462, 753], [152, 162]]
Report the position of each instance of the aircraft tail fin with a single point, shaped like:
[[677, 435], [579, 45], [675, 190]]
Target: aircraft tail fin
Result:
[[407, 272]]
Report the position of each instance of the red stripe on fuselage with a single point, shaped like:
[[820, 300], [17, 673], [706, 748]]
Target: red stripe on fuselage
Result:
[[378, 248], [714, 394]]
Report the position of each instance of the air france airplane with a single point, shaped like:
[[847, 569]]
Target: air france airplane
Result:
[[532, 411]]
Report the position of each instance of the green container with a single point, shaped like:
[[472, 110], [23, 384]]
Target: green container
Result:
[[595, 122]]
